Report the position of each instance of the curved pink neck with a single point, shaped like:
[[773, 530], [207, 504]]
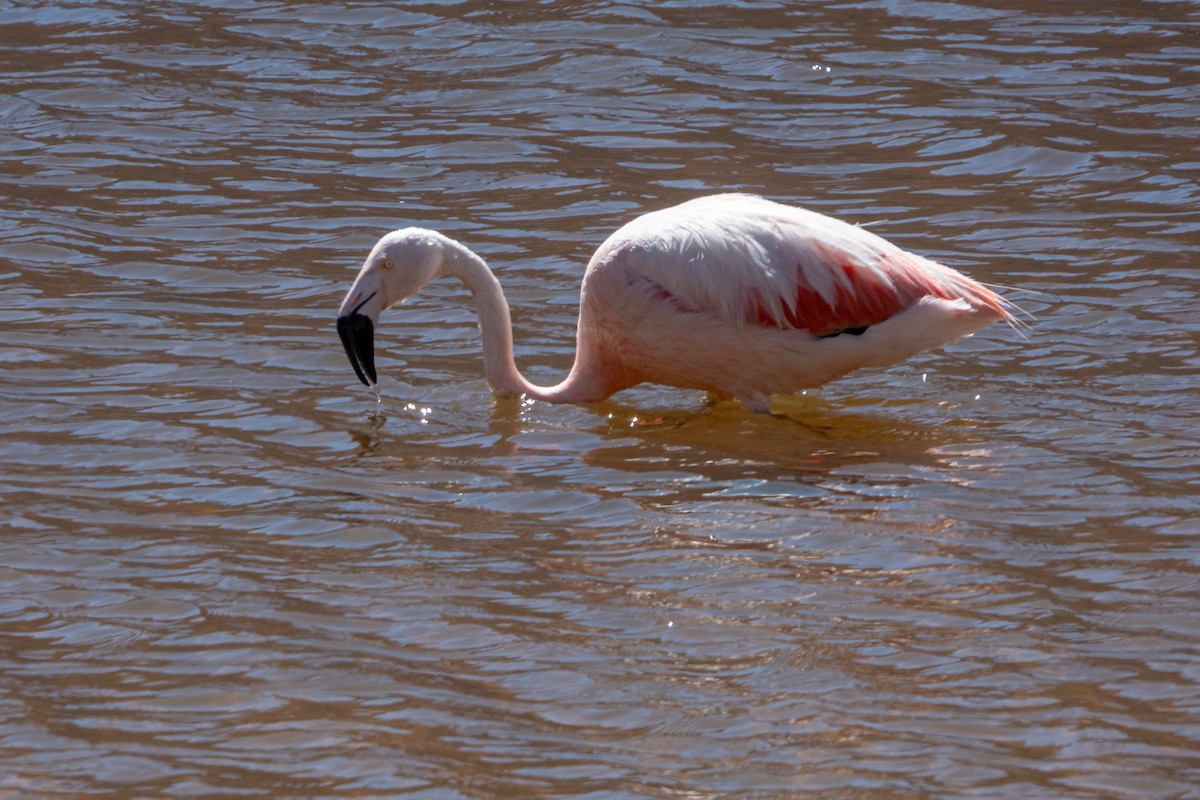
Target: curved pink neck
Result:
[[495, 326]]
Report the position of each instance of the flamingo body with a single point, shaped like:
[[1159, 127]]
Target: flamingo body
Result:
[[732, 294]]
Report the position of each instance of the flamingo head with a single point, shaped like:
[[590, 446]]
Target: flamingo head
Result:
[[399, 265]]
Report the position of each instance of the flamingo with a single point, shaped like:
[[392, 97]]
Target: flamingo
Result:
[[733, 294]]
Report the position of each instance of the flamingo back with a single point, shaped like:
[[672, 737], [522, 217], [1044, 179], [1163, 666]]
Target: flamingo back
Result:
[[753, 262]]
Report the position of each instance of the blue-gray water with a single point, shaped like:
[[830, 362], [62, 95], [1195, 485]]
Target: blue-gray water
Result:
[[226, 571]]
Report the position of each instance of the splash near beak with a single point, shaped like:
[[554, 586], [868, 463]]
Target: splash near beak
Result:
[[357, 333]]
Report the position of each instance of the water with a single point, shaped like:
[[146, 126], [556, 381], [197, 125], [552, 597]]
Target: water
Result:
[[228, 571]]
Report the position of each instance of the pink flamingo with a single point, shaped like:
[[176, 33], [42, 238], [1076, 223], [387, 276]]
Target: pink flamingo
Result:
[[733, 294]]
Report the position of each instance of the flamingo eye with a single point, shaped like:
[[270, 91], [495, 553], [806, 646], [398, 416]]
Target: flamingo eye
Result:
[[387, 263]]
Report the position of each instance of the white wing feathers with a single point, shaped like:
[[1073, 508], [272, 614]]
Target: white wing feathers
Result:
[[752, 261]]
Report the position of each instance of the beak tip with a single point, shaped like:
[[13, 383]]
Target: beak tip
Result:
[[357, 333]]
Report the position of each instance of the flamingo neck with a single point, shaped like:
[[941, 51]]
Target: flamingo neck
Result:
[[495, 326]]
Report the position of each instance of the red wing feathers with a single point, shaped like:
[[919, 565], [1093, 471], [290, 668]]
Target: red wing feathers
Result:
[[862, 296]]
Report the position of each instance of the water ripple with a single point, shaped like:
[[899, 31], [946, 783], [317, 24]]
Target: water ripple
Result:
[[229, 570]]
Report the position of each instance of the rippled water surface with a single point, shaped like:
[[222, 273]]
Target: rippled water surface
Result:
[[227, 571]]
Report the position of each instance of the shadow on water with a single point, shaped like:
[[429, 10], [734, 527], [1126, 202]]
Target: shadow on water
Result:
[[702, 472], [805, 432]]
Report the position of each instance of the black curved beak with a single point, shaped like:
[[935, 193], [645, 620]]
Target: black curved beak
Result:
[[357, 333]]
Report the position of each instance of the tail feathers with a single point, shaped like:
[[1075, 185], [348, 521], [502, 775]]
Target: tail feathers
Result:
[[953, 285]]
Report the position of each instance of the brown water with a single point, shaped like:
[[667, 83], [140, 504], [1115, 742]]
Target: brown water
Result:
[[228, 572]]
